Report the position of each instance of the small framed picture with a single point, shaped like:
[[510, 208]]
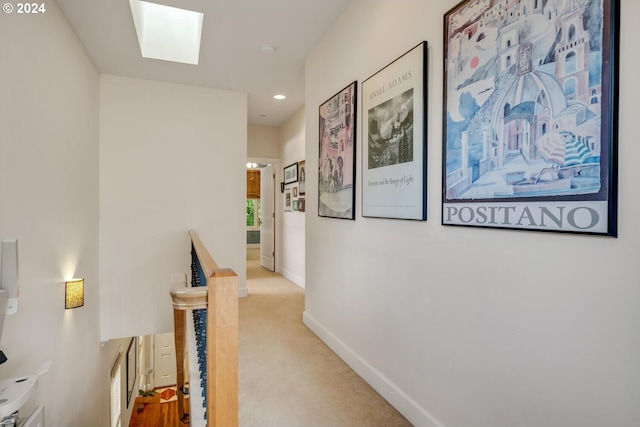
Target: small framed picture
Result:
[[291, 173], [288, 201], [301, 177]]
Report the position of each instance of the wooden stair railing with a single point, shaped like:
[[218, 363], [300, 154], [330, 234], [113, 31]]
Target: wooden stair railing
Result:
[[220, 298]]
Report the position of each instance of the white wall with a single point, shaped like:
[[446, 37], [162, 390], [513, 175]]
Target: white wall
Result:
[[462, 327], [49, 103], [172, 158], [290, 244], [263, 141]]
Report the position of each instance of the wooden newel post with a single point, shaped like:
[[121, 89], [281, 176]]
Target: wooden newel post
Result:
[[220, 298], [179, 321], [222, 348]]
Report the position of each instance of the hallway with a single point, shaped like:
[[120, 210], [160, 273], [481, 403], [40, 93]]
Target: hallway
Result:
[[288, 377]]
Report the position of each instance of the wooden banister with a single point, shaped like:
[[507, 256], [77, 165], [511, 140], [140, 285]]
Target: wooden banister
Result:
[[206, 260], [220, 297]]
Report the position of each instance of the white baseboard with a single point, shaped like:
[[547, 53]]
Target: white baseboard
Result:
[[290, 276], [243, 292], [408, 407]]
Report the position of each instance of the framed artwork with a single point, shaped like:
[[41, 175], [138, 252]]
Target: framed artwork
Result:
[[295, 205], [530, 115], [301, 204], [291, 174], [132, 368], [288, 200], [302, 177], [394, 143], [337, 157], [294, 190]]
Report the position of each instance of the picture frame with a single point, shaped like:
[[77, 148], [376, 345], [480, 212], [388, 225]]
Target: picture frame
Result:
[[294, 190], [301, 204], [132, 368], [530, 116], [288, 200], [291, 173], [295, 205], [394, 142], [302, 180], [337, 154]]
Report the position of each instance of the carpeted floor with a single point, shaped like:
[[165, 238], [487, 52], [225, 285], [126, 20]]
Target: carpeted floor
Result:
[[288, 377]]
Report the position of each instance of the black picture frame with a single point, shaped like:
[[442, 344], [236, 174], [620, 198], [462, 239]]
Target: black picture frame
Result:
[[302, 177], [530, 116], [394, 138], [291, 173], [288, 200], [337, 154], [132, 368]]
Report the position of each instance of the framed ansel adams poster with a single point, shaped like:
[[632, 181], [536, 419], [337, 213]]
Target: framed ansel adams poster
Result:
[[337, 159], [530, 139], [394, 139]]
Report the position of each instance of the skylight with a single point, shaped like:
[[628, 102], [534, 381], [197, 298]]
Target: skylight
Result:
[[167, 33]]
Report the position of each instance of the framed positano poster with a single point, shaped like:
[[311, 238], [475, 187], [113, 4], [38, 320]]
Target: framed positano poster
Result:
[[530, 115]]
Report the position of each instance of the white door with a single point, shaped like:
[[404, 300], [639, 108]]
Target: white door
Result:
[[164, 358], [267, 217]]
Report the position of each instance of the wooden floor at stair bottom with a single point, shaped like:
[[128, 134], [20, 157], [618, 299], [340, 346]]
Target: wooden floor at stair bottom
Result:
[[155, 414]]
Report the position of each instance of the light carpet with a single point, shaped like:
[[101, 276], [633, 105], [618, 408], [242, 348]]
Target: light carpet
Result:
[[288, 377]]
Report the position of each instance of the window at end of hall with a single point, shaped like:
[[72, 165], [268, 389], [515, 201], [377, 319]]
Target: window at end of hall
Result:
[[253, 213]]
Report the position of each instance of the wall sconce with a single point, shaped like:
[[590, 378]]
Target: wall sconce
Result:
[[74, 293]]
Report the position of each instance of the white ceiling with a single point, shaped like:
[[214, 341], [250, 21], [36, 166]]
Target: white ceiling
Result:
[[230, 56]]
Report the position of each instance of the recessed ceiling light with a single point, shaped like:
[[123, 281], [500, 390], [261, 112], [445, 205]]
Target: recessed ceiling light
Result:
[[268, 49], [279, 97], [167, 33]]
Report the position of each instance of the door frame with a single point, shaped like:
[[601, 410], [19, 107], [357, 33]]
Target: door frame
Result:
[[277, 198]]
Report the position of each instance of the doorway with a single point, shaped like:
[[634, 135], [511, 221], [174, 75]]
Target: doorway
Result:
[[261, 207], [164, 360]]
